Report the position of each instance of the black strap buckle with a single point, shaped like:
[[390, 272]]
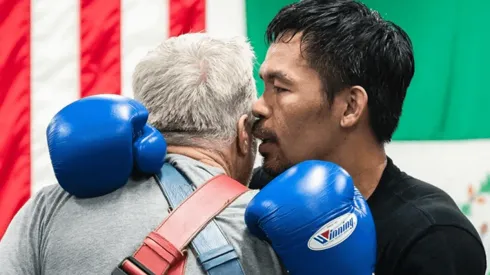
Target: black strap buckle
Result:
[[119, 270]]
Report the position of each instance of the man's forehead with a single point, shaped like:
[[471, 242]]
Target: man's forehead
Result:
[[282, 60], [276, 68], [281, 49]]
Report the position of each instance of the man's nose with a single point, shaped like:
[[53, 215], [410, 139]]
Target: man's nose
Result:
[[260, 108]]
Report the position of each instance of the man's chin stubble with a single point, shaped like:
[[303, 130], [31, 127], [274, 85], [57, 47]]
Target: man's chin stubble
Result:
[[272, 167]]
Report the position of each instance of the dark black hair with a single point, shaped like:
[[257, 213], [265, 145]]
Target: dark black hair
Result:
[[348, 44]]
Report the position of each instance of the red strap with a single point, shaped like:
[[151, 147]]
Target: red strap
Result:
[[163, 249], [178, 268]]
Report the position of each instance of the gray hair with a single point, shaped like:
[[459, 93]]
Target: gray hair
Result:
[[196, 87]]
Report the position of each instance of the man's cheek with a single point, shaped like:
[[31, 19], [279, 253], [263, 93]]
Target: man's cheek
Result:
[[296, 153]]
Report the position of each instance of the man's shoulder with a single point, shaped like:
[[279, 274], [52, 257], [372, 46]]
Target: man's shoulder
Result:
[[233, 215], [428, 204], [420, 214], [46, 200], [256, 256], [436, 249], [407, 199], [134, 190], [410, 206], [115, 223]]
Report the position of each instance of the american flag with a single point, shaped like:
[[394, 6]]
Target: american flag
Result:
[[53, 52]]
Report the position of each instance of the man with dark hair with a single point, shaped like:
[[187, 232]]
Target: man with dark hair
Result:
[[336, 75]]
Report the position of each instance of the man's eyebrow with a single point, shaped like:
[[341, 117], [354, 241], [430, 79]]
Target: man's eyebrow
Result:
[[279, 75]]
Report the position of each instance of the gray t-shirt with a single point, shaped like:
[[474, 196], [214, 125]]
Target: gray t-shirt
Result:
[[56, 233]]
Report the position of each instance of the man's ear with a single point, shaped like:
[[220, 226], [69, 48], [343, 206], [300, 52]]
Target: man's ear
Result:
[[243, 136], [356, 100]]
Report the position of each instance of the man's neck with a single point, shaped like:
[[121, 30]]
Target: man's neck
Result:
[[365, 163], [366, 180], [209, 157]]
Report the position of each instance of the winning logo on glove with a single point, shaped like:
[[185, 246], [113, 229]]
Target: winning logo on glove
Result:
[[334, 232]]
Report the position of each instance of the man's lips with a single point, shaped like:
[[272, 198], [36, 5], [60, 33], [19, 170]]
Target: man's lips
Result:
[[265, 140], [266, 146], [265, 136]]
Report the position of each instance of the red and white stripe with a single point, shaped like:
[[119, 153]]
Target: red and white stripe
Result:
[[53, 52]]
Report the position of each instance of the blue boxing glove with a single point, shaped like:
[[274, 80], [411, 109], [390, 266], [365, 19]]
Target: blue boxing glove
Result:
[[316, 221], [96, 142]]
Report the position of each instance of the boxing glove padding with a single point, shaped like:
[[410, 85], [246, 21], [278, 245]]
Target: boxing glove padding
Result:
[[316, 221], [149, 150], [92, 144]]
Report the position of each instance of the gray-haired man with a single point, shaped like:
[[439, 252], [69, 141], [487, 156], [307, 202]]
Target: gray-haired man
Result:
[[199, 91]]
